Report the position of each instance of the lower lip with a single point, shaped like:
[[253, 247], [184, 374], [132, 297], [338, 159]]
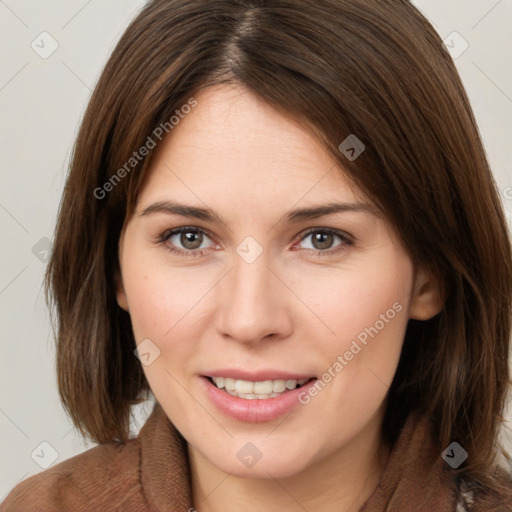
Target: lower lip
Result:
[[257, 410]]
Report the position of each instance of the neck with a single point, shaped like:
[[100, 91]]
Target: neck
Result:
[[341, 482]]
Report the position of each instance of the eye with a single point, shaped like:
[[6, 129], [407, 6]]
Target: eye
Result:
[[186, 241], [325, 240], [191, 241]]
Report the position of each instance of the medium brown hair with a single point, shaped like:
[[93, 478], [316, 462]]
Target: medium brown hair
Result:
[[373, 68]]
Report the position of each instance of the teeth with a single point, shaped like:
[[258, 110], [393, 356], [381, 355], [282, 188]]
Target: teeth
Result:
[[243, 386], [256, 390], [229, 384], [263, 388], [291, 384], [278, 386]]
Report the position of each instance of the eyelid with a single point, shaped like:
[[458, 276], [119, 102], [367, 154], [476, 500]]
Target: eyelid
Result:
[[173, 231], [342, 234]]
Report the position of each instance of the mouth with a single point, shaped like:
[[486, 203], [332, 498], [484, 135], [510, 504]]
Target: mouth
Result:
[[257, 390], [260, 399]]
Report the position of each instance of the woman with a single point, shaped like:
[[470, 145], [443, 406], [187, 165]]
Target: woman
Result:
[[283, 208]]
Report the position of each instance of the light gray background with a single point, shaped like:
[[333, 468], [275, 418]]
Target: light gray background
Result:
[[42, 101]]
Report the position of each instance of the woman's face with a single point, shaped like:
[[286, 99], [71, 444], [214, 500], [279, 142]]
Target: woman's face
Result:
[[279, 274]]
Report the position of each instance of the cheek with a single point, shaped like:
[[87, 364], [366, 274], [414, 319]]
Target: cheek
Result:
[[162, 299], [366, 307], [364, 303]]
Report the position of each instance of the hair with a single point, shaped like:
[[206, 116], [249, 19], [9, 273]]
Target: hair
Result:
[[373, 68]]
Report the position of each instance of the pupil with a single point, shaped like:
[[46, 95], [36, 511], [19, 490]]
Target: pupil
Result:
[[322, 240], [191, 240]]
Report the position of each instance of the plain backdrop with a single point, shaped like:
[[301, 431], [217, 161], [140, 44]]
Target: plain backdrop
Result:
[[42, 98]]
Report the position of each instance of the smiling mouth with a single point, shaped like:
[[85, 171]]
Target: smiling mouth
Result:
[[260, 390]]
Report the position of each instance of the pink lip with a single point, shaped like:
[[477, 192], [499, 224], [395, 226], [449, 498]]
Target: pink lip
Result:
[[253, 411], [258, 376]]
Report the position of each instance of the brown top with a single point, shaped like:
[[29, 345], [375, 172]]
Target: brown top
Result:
[[151, 473], [148, 473]]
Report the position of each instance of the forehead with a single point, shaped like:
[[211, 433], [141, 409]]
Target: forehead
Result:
[[235, 143]]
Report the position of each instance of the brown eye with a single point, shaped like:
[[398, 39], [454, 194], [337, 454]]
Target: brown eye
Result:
[[191, 239], [187, 241], [325, 241], [322, 240]]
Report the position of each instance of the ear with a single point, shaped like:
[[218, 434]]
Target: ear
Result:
[[118, 276], [428, 296], [120, 293]]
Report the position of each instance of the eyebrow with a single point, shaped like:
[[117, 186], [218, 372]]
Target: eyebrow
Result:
[[293, 216]]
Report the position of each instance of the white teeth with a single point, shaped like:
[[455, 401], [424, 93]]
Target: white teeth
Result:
[[291, 384], [262, 388], [278, 386], [229, 384], [256, 390], [243, 386]]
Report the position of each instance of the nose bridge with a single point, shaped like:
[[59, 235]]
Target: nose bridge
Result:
[[252, 307], [250, 280]]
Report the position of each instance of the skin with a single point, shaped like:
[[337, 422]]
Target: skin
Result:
[[290, 309]]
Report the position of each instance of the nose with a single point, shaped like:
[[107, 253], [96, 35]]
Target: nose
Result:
[[254, 303]]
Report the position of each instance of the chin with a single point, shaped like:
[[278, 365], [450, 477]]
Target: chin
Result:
[[273, 462]]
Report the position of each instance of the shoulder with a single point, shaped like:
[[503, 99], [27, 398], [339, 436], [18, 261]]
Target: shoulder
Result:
[[105, 474]]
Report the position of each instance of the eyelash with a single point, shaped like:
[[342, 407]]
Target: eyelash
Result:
[[346, 240]]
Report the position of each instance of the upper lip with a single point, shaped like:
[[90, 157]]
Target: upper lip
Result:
[[257, 376]]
